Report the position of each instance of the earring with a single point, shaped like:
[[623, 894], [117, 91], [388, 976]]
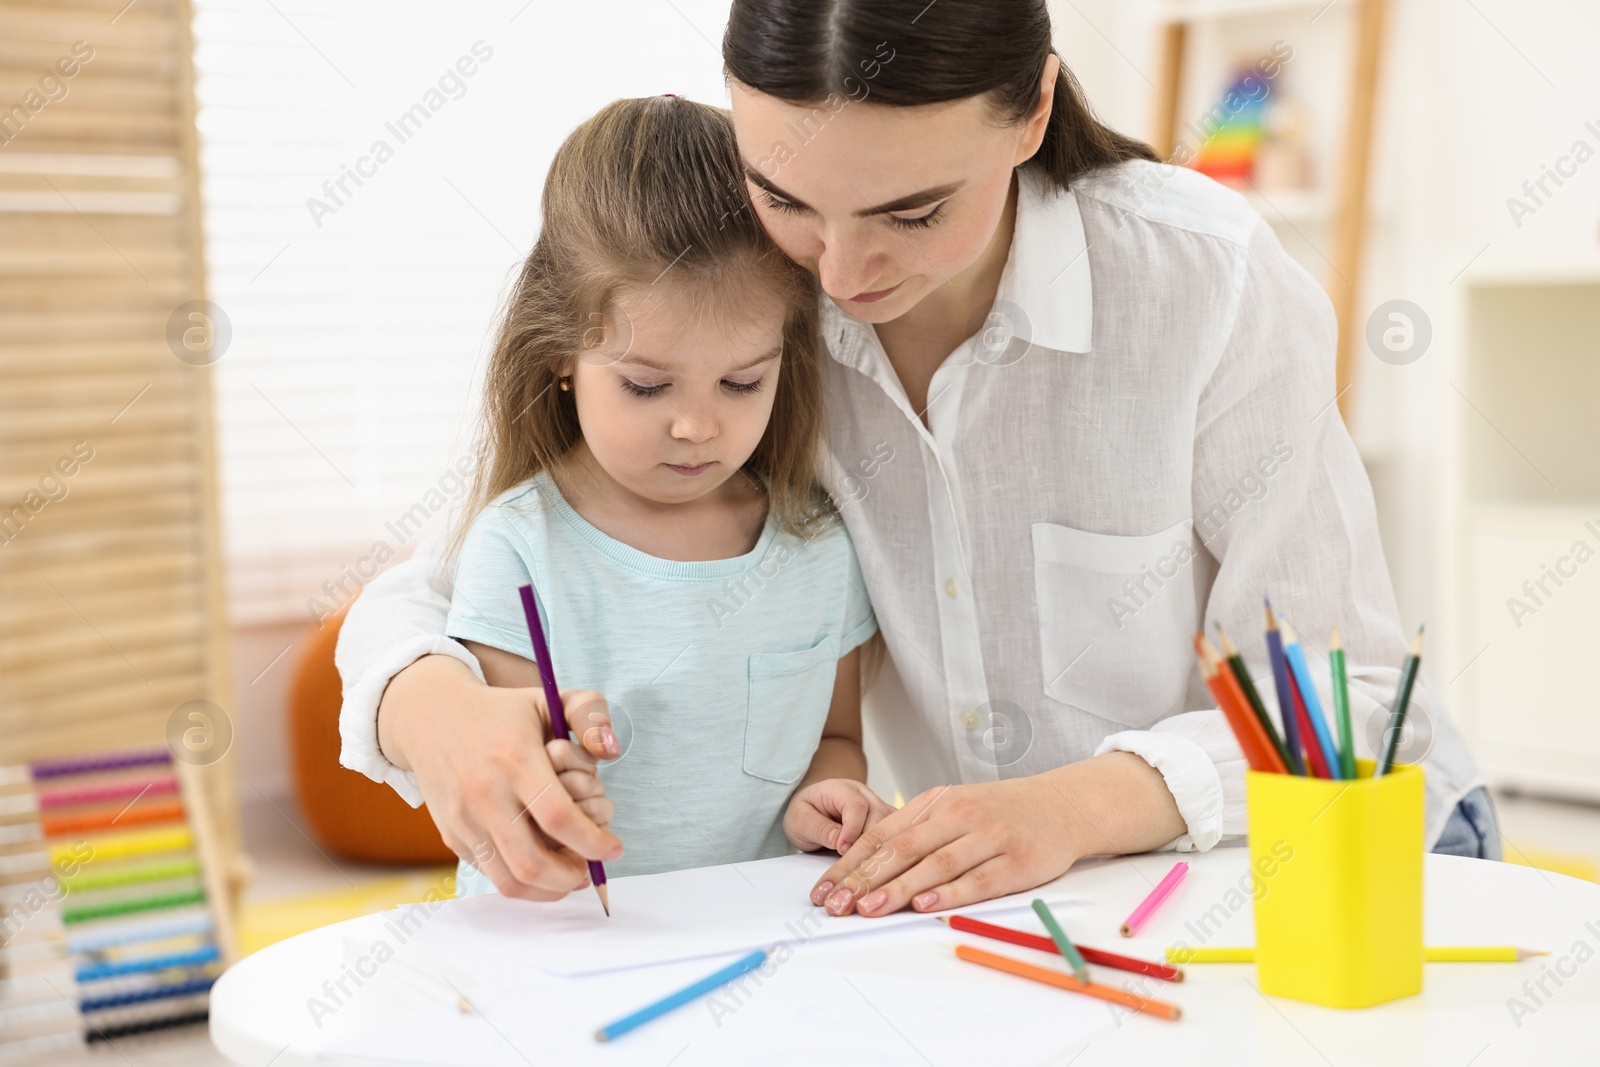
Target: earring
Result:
[[565, 383]]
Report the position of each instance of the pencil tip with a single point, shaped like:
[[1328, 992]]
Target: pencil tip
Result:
[[1272, 620], [605, 899], [1524, 953]]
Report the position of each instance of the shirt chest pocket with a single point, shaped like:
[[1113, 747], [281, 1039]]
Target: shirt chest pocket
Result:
[[1116, 616], [788, 704]]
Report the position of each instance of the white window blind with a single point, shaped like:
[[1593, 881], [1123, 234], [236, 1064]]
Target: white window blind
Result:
[[371, 177]]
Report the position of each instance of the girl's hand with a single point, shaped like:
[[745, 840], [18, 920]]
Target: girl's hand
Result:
[[960, 844], [953, 846], [493, 788], [832, 814]]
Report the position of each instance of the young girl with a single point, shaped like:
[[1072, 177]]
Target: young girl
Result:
[[652, 416]]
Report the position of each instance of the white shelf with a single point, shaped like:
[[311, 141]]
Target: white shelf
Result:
[[1577, 266], [1291, 205], [1198, 10]]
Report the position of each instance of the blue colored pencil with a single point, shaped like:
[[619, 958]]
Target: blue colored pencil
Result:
[[1280, 682], [1308, 692], [682, 996]]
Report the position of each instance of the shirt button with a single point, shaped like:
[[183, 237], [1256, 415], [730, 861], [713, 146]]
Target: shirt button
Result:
[[970, 720], [950, 587]]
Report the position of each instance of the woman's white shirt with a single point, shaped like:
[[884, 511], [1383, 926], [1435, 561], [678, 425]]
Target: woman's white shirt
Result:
[[1141, 440]]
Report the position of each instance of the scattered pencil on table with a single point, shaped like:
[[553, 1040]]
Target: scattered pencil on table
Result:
[[994, 961], [1069, 951], [558, 714], [682, 996], [1161, 892], [1098, 957], [1402, 703], [1432, 954]]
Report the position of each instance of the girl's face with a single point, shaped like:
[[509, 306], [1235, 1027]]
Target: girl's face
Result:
[[883, 204], [674, 394]]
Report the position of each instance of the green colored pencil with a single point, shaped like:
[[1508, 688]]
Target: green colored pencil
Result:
[[1235, 660], [1069, 951], [1341, 707], [1397, 712]]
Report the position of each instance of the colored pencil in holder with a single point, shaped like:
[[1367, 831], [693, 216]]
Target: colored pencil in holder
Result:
[[1315, 759], [1247, 685], [1402, 703], [1300, 672], [1341, 706], [1258, 751], [1280, 682]]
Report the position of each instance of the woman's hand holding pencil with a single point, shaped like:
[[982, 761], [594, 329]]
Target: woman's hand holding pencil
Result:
[[528, 836]]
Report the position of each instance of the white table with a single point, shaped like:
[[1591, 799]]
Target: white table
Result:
[[259, 1014]]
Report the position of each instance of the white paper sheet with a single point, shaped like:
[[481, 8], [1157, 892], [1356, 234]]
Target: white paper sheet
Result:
[[660, 918], [902, 998]]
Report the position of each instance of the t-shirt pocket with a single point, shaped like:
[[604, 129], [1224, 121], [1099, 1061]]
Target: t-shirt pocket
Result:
[[789, 697], [1115, 616]]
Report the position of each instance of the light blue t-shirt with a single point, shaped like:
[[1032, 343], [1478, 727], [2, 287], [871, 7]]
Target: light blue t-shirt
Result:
[[719, 674]]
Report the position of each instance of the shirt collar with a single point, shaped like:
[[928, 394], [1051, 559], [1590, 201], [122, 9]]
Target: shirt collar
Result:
[[1045, 285]]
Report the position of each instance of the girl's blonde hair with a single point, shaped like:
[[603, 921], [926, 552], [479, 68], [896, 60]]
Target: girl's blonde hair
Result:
[[648, 192]]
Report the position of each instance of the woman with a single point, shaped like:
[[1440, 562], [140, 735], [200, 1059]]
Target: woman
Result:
[[1079, 403]]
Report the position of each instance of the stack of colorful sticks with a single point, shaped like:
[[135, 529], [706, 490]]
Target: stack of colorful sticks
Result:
[[1306, 745], [108, 930]]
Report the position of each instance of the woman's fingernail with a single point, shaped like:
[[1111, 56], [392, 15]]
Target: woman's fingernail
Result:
[[874, 900], [833, 837], [819, 894], [925, 900], [840, 900], [615, 854], [608, 741]]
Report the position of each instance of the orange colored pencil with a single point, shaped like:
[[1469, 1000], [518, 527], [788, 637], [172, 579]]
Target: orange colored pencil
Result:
[[1258, 749], [1065, 981]]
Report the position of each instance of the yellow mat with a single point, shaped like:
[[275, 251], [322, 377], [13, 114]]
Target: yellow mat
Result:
[[1575, 864], [264, 922]]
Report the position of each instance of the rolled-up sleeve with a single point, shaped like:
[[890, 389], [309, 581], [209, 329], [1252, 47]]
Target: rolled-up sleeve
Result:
[[398, 618]]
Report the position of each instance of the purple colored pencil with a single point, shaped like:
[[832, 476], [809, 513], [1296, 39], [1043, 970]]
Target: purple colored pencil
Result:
[[558, 714], [111, 761]]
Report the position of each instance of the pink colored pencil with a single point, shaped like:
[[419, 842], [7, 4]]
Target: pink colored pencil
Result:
[[1150, 903]]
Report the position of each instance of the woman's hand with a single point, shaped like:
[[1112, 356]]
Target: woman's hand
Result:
[[956, 845], [524, 814], [832, 814]]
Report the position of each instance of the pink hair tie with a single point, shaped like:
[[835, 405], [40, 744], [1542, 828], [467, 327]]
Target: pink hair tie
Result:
[[673, 95]]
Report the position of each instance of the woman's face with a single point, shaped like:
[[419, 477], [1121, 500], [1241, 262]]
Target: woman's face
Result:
[[883, 204]]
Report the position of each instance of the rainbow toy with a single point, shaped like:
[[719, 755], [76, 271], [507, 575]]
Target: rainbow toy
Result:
[[106, 927]]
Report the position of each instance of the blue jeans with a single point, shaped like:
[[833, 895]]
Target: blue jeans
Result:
[[1473, 829]]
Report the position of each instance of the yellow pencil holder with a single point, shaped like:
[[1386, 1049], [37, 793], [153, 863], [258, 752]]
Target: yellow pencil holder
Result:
[[1338, 868]]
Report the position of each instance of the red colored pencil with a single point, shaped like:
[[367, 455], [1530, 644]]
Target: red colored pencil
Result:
[[1258, 750], [1044, 944], [1308, 734]]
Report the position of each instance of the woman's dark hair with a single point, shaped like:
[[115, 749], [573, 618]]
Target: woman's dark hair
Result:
[[904, 53]]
